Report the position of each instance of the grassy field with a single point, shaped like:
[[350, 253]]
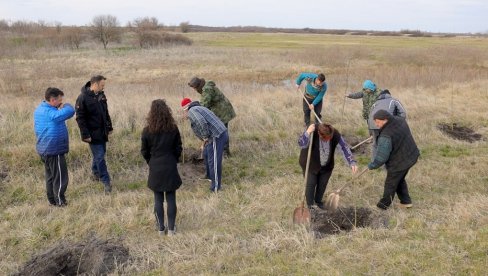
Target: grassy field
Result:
[[247, 229]]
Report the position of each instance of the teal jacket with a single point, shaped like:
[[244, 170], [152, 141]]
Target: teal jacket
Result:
[[318, 92]]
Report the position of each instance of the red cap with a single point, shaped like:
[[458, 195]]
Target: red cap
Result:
[[185, 102]]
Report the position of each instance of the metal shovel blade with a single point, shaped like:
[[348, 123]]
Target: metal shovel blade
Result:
[[301, 215]]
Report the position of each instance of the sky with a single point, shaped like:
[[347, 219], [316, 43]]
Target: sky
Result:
[[448, 16]]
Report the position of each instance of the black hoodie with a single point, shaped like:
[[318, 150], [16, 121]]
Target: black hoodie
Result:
[[92, 115]]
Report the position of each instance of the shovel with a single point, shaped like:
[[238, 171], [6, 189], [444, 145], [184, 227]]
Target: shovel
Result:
[[332, 201], [359, 144], [301, 215]]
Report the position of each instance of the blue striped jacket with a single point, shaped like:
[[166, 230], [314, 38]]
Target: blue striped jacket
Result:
[[50, 128]]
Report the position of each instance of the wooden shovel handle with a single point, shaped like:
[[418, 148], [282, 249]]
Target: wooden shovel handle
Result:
[[355, 178], [369, 138]]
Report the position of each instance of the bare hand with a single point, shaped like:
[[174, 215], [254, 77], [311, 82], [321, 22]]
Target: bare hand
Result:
[[88, 140], [297, 86], [311, 129], [310, 106], [354, 169]]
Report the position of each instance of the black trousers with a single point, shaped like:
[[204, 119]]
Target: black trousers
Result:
[[395, 183], [316, 185], [56, 171], [307, 112], [159, 209]]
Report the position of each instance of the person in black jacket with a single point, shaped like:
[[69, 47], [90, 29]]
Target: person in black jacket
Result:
[[161, 148], [398, 151], [95, 126], [325, 141]]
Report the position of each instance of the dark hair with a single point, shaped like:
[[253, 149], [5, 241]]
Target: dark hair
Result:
[[97, 78], [326, 131], [321, 77], [52, 92], [160, 118]]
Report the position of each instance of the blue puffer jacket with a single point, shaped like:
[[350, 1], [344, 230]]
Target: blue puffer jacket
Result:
[[50, 127]]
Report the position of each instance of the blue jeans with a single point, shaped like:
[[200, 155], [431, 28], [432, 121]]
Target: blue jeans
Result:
[[99, 166], [212, 154]]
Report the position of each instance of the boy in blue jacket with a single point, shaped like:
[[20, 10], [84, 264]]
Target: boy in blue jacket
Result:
[[315, 89], [53, 143]]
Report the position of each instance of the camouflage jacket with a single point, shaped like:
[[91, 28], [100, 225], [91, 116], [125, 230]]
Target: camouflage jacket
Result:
[[368, 100], [214, 100]]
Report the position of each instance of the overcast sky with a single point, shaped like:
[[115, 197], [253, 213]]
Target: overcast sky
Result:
[[457, 16]]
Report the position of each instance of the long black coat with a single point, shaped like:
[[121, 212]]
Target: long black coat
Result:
[[161, 152]]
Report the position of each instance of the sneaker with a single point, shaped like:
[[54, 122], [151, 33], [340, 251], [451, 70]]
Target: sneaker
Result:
[[404, 205], [161, 233], [107, 189], [172, 232], [205, 178]]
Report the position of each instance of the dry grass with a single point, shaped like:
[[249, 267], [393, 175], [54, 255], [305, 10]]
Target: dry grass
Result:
[[246, 229]]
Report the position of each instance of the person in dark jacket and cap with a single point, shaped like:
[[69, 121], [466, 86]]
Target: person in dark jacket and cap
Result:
[[398, 151], [213, 99], [95, 126], [386, 102], [161, 148]]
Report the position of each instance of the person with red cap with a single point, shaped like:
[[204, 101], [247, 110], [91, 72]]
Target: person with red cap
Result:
[[212, 131]]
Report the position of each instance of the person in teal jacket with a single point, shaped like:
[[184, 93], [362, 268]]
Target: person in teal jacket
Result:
[[315, 90], [53, 142]]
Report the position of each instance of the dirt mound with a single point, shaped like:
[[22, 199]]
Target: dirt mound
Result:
[[363, 149], [92, 257], [193, 168], [325, 222], [459, 132]]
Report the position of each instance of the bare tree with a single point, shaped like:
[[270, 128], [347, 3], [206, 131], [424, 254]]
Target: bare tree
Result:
[[73, 36], [145, 29], [105, 28], [185, 26]]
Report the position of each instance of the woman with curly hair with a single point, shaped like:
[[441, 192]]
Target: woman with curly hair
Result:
[[161, 148]]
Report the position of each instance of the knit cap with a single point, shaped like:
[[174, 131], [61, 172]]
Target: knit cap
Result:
[[185, 103]]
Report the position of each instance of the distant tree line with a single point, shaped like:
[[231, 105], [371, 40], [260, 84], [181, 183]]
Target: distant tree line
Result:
[[103, 29]]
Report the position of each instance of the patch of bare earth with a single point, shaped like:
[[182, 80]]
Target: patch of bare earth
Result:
[[90, 257], [324, 222], [363, 149], [459, 132], [192, 169]]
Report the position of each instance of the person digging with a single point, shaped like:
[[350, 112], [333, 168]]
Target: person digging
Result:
[[398, 151], [324, 143]]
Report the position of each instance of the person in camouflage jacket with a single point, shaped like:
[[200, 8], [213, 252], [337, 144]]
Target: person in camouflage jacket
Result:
[[369, 94], [213, 99]]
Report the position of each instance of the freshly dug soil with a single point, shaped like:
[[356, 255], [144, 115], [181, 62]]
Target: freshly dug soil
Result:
[[92, 257], [193, 168], [325, 222], [459, 132], [363, 149]]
